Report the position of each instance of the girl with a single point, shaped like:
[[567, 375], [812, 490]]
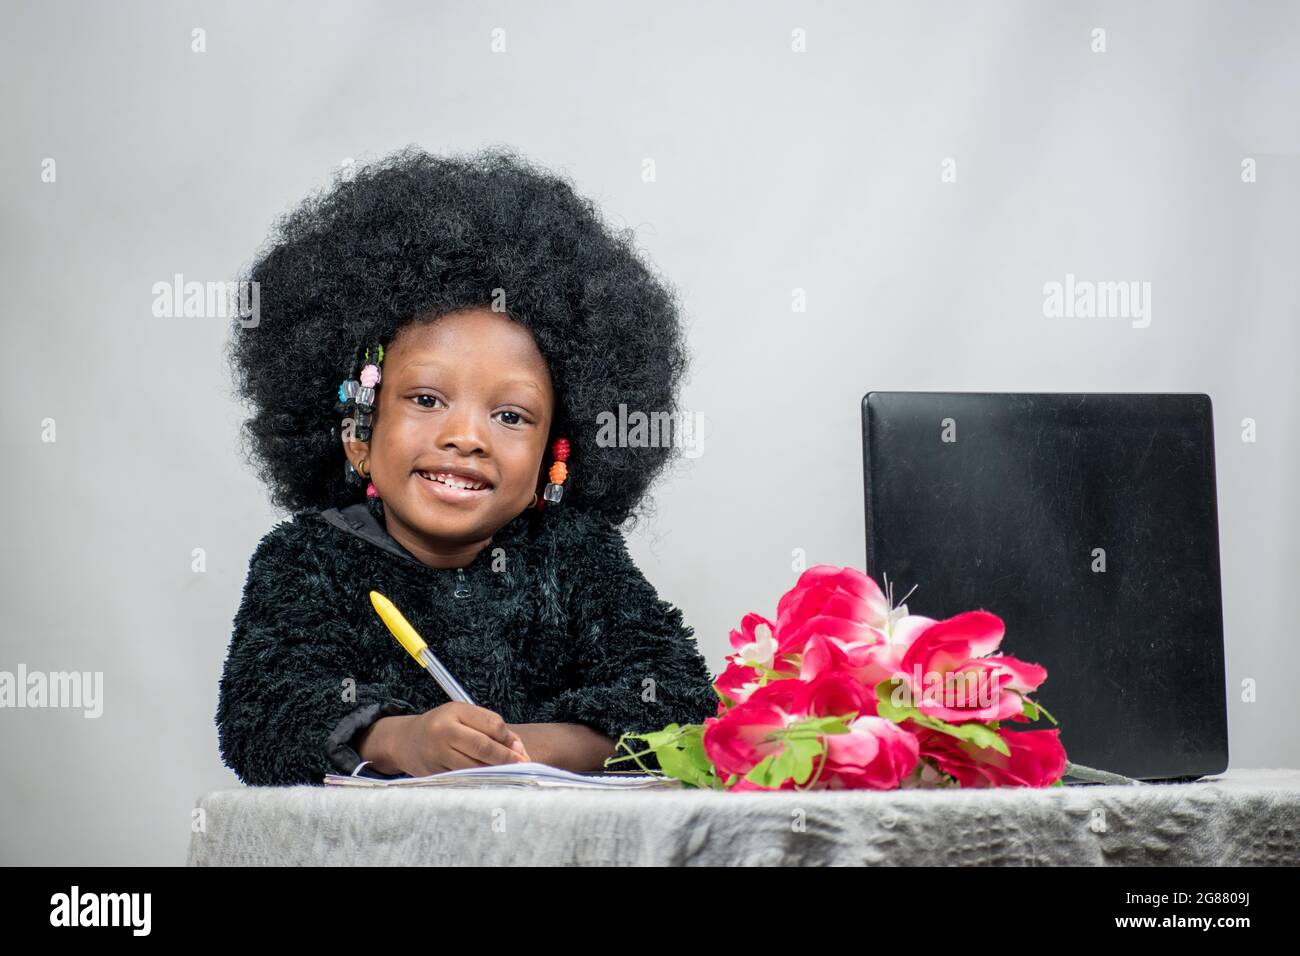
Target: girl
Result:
[[436, 339]]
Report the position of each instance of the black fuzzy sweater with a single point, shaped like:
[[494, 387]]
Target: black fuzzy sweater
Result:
[[555, 624]]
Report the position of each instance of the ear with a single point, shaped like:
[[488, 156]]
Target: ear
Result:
[[356, 451]]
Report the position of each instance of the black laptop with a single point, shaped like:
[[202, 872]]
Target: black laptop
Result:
[[1089, 524]]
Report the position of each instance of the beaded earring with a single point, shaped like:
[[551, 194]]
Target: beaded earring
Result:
[[558, 473]]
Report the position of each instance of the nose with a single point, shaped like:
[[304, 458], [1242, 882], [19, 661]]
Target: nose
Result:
[[464, 428]]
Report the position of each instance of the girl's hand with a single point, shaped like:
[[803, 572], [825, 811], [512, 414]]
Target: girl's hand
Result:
[[454, 736]]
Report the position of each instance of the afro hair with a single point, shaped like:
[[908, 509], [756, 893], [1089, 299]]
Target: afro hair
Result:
[[414, 236]]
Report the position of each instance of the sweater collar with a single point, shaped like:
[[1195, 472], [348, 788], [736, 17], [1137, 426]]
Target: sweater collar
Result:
[[364, 520]]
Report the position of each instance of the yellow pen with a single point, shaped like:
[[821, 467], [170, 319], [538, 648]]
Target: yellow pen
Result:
[[415, 646]]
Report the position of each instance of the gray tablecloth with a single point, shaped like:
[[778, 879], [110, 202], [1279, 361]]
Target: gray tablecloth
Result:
[[1241, 817]]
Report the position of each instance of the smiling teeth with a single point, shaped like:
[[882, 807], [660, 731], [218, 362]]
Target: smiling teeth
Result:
[[452, 481]]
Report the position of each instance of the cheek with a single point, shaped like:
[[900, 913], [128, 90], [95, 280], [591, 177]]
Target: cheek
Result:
[[521, 466], [395, 441]]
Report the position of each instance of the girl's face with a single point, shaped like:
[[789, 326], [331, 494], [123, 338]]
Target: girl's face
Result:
[[468, 393]]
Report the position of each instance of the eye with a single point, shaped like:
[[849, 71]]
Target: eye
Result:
[[433, 397], [519, 418]]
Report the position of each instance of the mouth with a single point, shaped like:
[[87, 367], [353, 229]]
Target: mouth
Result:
[[454, 487]]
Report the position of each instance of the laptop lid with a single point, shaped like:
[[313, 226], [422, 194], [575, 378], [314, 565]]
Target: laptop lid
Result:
[[1089, 524]]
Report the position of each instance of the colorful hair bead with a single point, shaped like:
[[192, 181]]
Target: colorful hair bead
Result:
[[357, 395]]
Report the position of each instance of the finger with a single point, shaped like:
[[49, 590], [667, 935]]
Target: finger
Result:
[[479, 746], [490, 723], [460, 752], [475, 757]]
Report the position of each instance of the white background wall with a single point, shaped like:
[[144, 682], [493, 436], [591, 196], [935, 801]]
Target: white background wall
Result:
[[775, 171]]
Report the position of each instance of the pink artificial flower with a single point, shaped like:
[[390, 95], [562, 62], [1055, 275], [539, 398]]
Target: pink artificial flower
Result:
[[875, 754], [835, 639], [736, 682], [950, 676], [903, 629], [840, 603], [754, 642], [735, 742], [834, 694], [869, 663], [755, 650], [1037, 758]]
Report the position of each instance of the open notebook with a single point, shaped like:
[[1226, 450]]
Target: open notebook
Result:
[[529, 775]]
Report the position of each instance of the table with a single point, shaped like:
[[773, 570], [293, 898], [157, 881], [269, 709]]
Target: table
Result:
[[1242, 817]]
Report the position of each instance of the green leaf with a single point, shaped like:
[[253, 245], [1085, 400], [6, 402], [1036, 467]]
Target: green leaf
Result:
[[679, 750], [684, 758], [1044, 710], [823, 725], [762, 772], [981, 736], [885, 705], [972, 731], [802, 745], [795, 760]]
